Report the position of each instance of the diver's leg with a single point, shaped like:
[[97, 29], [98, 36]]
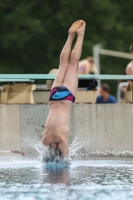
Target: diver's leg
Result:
[[65, 55], [71, 78]]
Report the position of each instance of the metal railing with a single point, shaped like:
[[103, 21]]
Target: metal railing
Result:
[[97, 50], [32, 77]]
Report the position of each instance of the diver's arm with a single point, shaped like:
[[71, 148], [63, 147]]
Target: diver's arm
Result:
[[64, 148]]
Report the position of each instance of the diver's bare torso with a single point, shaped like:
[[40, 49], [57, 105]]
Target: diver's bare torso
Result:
[[57, 124]]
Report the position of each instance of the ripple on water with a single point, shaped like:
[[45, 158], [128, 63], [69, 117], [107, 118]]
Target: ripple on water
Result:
[[85, 179], [93, 179]]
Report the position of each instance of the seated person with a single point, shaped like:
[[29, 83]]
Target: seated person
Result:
[[63, 92], [129, 68], [87, 66], [104, 96]]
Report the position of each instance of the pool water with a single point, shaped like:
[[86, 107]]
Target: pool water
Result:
[[94, 179]]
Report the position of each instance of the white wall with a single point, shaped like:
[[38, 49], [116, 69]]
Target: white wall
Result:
[[105, 129]]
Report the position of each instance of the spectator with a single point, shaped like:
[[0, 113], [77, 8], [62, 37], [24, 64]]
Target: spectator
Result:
[[87, 66], [129, 68], [105, 97], [50, 82]]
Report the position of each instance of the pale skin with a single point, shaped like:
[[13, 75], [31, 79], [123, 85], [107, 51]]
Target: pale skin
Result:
[[86, 67], [57, 124], [129, 68]]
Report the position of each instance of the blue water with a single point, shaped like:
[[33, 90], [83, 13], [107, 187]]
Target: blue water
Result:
[[83, 180]]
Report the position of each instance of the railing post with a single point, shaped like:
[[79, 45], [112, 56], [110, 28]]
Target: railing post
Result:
[[96, 52]]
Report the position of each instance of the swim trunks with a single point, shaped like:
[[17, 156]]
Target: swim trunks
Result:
[[61, 93]]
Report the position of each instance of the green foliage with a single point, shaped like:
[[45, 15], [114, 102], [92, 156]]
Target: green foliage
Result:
[[33, 32]]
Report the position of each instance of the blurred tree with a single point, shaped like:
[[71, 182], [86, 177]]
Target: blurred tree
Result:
[[33, 33]]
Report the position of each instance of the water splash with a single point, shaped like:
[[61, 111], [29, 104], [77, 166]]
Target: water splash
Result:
[[108, 153], [49, 156], [77, 147], [40, 149]]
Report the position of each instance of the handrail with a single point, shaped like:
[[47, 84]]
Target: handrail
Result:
[[14, 80], [116, 53], [30, 77]]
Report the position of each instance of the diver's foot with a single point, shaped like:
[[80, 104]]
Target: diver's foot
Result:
[[76, 25], [81, 29]]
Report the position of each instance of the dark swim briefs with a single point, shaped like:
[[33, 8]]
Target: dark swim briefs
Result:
[[61, 93]]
